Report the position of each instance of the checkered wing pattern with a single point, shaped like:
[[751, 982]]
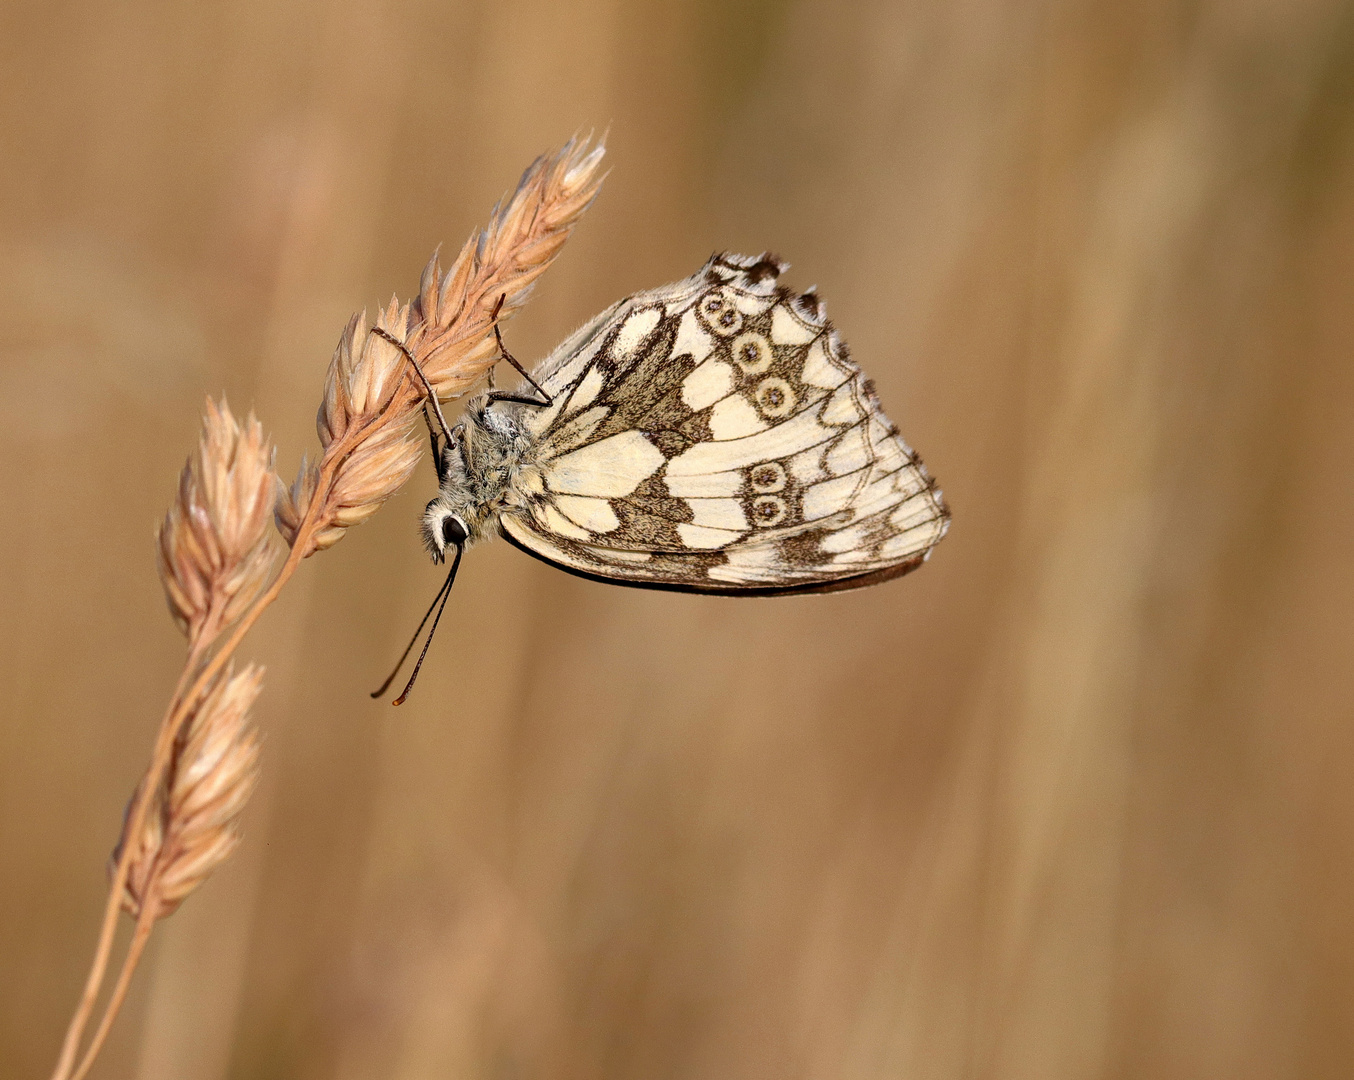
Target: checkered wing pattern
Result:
[[715, 436]]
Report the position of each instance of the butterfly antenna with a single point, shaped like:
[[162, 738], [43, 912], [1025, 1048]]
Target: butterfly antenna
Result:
[[439, 599], [427, 386]]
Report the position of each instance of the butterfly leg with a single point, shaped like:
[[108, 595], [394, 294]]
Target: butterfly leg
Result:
[[498, 395], [439, 459]]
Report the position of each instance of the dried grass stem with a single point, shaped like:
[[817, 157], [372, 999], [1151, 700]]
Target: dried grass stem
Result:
[[214, 554]]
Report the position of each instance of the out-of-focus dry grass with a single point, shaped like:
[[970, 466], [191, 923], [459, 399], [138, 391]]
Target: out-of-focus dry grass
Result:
[[1072, 801]]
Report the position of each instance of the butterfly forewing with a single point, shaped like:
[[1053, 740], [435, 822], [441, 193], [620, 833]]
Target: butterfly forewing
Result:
[[715, 436]]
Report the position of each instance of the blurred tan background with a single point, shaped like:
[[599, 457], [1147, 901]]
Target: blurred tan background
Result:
[[1075, 800]]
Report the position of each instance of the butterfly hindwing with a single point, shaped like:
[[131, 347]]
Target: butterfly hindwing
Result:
[[714, 435]]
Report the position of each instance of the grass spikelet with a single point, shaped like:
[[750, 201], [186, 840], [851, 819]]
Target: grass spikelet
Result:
[[365, 375], [212, 549], [193, 824], [524, 234]]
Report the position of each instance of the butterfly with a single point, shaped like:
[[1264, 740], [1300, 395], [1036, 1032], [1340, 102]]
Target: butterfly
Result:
[[710, 436]]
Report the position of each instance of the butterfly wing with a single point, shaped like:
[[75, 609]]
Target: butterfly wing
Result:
[[714, 436]]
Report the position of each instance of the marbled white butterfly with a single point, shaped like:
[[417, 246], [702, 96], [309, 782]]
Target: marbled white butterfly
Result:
[[711, 436]]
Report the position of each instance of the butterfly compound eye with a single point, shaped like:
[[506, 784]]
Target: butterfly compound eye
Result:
[[453, 530]]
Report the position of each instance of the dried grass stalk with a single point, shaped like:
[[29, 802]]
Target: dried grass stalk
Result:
[[193, 824], [215, 559]]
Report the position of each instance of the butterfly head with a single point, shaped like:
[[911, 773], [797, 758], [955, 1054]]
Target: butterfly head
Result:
[[443, 528]]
